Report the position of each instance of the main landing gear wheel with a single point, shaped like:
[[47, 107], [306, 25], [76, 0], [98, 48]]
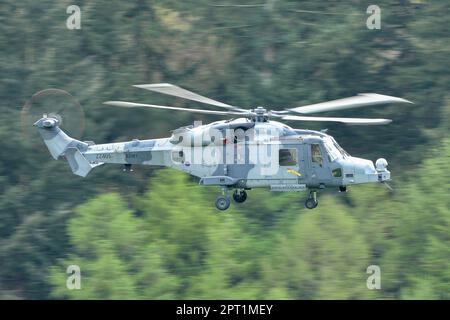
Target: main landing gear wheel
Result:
[[223, 202], [311, 202], [239, 196]]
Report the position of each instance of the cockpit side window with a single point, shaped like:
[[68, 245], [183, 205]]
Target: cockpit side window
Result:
[[344, 153], [316, 154], [331, 150]]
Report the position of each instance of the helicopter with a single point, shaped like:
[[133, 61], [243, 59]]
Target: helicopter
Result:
[[255, 149]]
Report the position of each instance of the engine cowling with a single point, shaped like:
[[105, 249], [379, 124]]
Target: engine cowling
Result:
[[217, 134]]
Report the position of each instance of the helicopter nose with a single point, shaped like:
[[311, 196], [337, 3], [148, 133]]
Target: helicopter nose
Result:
[[358, 170], [364, 166]]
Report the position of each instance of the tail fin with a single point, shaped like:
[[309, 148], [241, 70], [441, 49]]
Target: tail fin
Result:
[[60, 144], [78, 163]]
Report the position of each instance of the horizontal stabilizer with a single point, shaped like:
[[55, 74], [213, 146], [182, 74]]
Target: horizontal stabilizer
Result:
[[78, 163]]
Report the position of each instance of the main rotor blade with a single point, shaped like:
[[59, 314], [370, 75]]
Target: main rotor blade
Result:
[[125, 104], [354, 121], [361, 100], [172, 90]]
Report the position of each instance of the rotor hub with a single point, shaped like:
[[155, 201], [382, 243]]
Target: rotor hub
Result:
[[260, 114], [260, 110]]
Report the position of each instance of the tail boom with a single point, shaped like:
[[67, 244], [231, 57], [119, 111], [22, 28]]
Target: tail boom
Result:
[[83, 157], [61, 145]]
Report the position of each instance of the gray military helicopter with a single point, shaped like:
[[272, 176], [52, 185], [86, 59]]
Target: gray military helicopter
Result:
[[250, 151]]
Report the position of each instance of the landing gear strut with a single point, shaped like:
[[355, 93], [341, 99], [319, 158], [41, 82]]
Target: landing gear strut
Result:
[[239, 196], [312, 202], [223, 201]]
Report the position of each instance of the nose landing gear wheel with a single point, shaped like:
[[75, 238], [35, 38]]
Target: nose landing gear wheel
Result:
[[239, 196], [222, 203], [310, 203]]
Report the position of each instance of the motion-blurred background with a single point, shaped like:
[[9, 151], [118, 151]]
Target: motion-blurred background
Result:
[[155, 233]]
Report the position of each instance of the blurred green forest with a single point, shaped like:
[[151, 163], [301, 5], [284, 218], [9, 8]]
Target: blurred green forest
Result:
[[155, 233]]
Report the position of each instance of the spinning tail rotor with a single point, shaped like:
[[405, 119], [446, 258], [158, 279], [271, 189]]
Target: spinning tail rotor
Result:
[[55, 104]]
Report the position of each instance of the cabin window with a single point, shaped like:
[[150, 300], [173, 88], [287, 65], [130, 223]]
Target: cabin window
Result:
[[316, 154], [287, 157]]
